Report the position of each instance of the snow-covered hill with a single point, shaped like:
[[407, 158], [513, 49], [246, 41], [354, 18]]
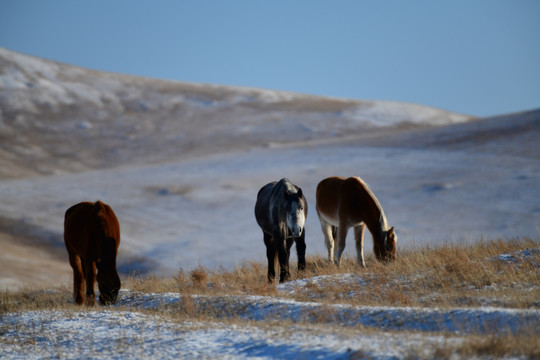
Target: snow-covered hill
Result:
[[56, 117], [181, 165]]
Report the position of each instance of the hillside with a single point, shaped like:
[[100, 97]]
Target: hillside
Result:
[[58, 118], [181, 165]]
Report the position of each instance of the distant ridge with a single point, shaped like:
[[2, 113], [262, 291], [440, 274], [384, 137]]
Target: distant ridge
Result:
[[62, 118], [496, 135]]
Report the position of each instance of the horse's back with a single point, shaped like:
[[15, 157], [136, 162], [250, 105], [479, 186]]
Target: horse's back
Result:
[[86, 223], [329, 185], [108, 221], [262, 206], [76, 226], [265, 191], [328, 198], [75, 211], [274, 192], [339, 197]]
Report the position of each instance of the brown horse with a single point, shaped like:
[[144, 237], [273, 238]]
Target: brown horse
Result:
[[92, 236], [344, 203]]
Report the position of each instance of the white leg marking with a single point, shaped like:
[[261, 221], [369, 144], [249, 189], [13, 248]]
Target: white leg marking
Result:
[[359, 238], [329, 239]]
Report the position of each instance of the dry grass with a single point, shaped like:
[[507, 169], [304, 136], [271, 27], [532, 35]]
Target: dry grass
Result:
[[495, 346], [445, 276], [248, 278], [29, 299], [450, 275]]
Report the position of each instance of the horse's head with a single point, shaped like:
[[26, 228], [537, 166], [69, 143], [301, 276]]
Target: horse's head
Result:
[[296, 212], [390, 245], [109, 285], [386, 251]]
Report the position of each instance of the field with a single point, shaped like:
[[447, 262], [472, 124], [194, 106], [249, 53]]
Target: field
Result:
[[181, 165], [451, 301]]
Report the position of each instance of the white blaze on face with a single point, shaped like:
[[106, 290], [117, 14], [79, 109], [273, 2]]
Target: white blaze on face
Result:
[[296, 219]]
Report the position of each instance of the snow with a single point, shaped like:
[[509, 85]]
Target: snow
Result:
[[119, 335], [519, 255], [256, 327], [128, 329], [389, 113], [455, 320]]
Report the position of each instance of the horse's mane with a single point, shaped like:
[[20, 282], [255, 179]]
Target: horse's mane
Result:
[[286, 184], [283, 187], [383, 224]]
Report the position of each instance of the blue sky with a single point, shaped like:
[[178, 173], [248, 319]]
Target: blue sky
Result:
[[469, 56]]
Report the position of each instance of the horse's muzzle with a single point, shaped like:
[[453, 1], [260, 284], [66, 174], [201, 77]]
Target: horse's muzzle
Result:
[[296, 232], [107, 299]]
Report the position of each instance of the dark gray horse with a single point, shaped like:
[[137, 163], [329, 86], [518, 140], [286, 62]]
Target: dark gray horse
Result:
[[281, 212]]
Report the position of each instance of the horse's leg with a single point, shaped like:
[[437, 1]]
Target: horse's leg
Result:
[[359, 238], [283, 257], [327, 231], [78, 278], [271, 256], [301, 251], [90, 275], [288, 244], [335, 237], [342, 234]]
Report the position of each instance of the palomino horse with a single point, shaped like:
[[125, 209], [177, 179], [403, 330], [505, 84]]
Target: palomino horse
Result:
[[344, 203], [281, 211], [92, 236]]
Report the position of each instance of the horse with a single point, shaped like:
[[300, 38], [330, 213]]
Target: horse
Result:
[[281, 211], [344, 203], [92, 236]]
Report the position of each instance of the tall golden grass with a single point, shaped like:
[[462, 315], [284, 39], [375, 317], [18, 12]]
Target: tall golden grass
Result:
[[448, 275]]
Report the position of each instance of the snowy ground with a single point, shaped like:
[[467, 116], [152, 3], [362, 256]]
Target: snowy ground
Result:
[[271, 328], [150, 326], [119, 335]]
